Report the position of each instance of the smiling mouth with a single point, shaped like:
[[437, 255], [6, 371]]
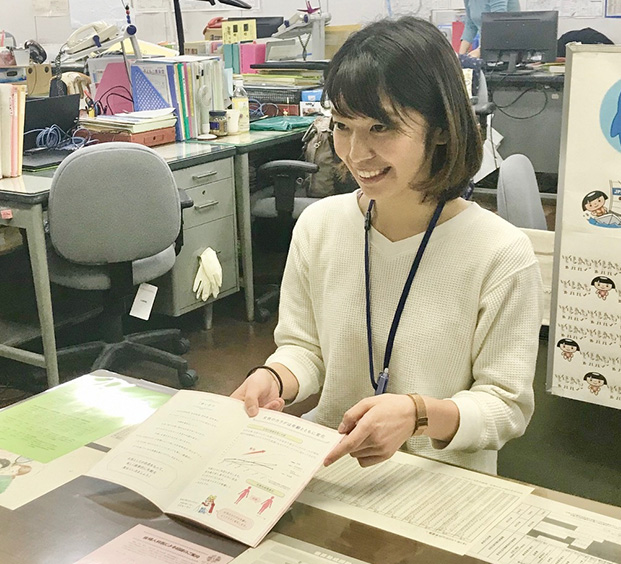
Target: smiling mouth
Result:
[[371, 175]]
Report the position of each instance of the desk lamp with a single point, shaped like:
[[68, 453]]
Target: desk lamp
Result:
[[179, 20]]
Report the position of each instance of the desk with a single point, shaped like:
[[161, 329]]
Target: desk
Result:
[[531, 124], [25, 197], [75, 519], [245, 143]]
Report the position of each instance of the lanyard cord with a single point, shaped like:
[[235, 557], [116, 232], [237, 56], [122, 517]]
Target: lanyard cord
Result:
[[380, 385]]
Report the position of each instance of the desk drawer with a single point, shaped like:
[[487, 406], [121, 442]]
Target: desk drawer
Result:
[[211, 202], [204, 173], [175, 296]]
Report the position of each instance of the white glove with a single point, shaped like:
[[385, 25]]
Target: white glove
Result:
[[208, 278]]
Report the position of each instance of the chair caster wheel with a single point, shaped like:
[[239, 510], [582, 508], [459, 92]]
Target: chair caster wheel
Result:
[[261, 315], [182, 346], [188, 379]]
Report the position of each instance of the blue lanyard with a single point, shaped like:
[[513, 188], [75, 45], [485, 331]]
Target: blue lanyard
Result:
[[382, 381]]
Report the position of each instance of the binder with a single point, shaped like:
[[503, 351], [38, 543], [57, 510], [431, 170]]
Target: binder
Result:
[[250, 54]]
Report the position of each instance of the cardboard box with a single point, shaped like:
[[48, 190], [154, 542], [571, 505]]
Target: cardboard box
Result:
[[312, 108], [336, 35]]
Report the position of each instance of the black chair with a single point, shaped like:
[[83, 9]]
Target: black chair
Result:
[[274, 209], [115, 220]]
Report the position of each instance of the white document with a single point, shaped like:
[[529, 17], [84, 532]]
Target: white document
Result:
[[143, 302], [201, 457], [281, 549], [421, 499], [143, 545], [541, 530]]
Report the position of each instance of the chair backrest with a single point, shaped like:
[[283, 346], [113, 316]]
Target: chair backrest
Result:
[[518, 196], [114, 202]]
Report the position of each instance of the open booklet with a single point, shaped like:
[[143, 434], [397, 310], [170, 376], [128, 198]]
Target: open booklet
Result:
[[200, 457]]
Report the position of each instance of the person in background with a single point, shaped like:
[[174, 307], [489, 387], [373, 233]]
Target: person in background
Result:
[[474, 9], [441, 367]]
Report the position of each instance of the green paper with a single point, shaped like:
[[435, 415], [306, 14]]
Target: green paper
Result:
[[67, 417]]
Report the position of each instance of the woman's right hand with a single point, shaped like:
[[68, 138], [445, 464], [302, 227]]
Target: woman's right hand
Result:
[[259, 390]]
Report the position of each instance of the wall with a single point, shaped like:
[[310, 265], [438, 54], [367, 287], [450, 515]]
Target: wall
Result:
[[51, 21]]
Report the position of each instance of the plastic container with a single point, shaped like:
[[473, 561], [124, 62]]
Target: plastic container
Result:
[[240, 103], [217, 123]]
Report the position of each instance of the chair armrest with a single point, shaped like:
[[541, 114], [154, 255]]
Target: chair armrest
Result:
[[286, 168], [485, 109], [284, 174], [186, 201]]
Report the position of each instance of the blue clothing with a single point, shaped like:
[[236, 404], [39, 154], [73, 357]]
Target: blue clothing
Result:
[[474, 9]]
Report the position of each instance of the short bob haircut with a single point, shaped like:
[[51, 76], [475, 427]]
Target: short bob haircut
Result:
[[410, 65]]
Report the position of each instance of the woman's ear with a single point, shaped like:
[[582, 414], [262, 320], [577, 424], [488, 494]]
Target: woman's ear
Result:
[[441, 136]]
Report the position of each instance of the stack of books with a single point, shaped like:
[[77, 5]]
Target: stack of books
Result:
[[284, 77], [12, 108], [148, 127]]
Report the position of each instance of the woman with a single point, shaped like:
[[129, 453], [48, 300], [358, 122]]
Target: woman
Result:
[[466, 343], [474, 9]]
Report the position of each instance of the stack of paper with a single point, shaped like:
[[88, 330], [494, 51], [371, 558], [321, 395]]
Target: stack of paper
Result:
[[132, 122], [12, 106]]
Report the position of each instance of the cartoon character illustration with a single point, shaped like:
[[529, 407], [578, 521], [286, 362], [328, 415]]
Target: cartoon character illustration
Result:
[[568, 348], [266, 505], [208, 505], [602, 285], [594, 203], [595, 382], [243, 494], [9, 471]]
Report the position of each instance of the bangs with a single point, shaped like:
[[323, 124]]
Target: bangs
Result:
[[357, 88]]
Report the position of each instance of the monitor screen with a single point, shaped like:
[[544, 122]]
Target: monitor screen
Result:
[[516, 37]]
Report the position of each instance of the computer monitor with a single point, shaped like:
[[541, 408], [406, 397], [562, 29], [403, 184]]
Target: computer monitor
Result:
[[517, 37]]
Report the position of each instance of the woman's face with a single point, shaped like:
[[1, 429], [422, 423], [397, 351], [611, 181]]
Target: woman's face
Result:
[[385, 160]]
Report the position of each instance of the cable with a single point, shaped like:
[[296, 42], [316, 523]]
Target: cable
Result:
[[530, 89]]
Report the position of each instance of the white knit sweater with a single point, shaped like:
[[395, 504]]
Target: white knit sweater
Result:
[[469, 330]]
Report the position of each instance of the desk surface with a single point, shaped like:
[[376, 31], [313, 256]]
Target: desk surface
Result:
[[34, 187], [544, 78], [77, 518], [254, 140]]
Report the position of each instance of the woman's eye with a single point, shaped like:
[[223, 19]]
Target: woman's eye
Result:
[[339, 126], [379, 128]]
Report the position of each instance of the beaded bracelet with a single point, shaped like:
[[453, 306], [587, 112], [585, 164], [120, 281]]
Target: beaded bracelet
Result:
[[274, 374]]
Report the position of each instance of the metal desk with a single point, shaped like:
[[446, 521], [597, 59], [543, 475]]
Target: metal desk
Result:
[[22, 201], [529, 116], [245, 143], [72, 521]]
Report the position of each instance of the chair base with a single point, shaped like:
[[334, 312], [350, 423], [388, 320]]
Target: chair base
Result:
[[267, 303], [149, 346]]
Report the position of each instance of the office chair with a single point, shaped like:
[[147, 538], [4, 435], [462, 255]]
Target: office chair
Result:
[[114, 218], [518, 198], [479, 95], [274, 210]]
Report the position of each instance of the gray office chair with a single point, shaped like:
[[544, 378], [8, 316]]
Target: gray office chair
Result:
[[518, 198], [114, 217]]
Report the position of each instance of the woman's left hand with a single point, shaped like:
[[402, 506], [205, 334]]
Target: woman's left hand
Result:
[[374, 429]]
